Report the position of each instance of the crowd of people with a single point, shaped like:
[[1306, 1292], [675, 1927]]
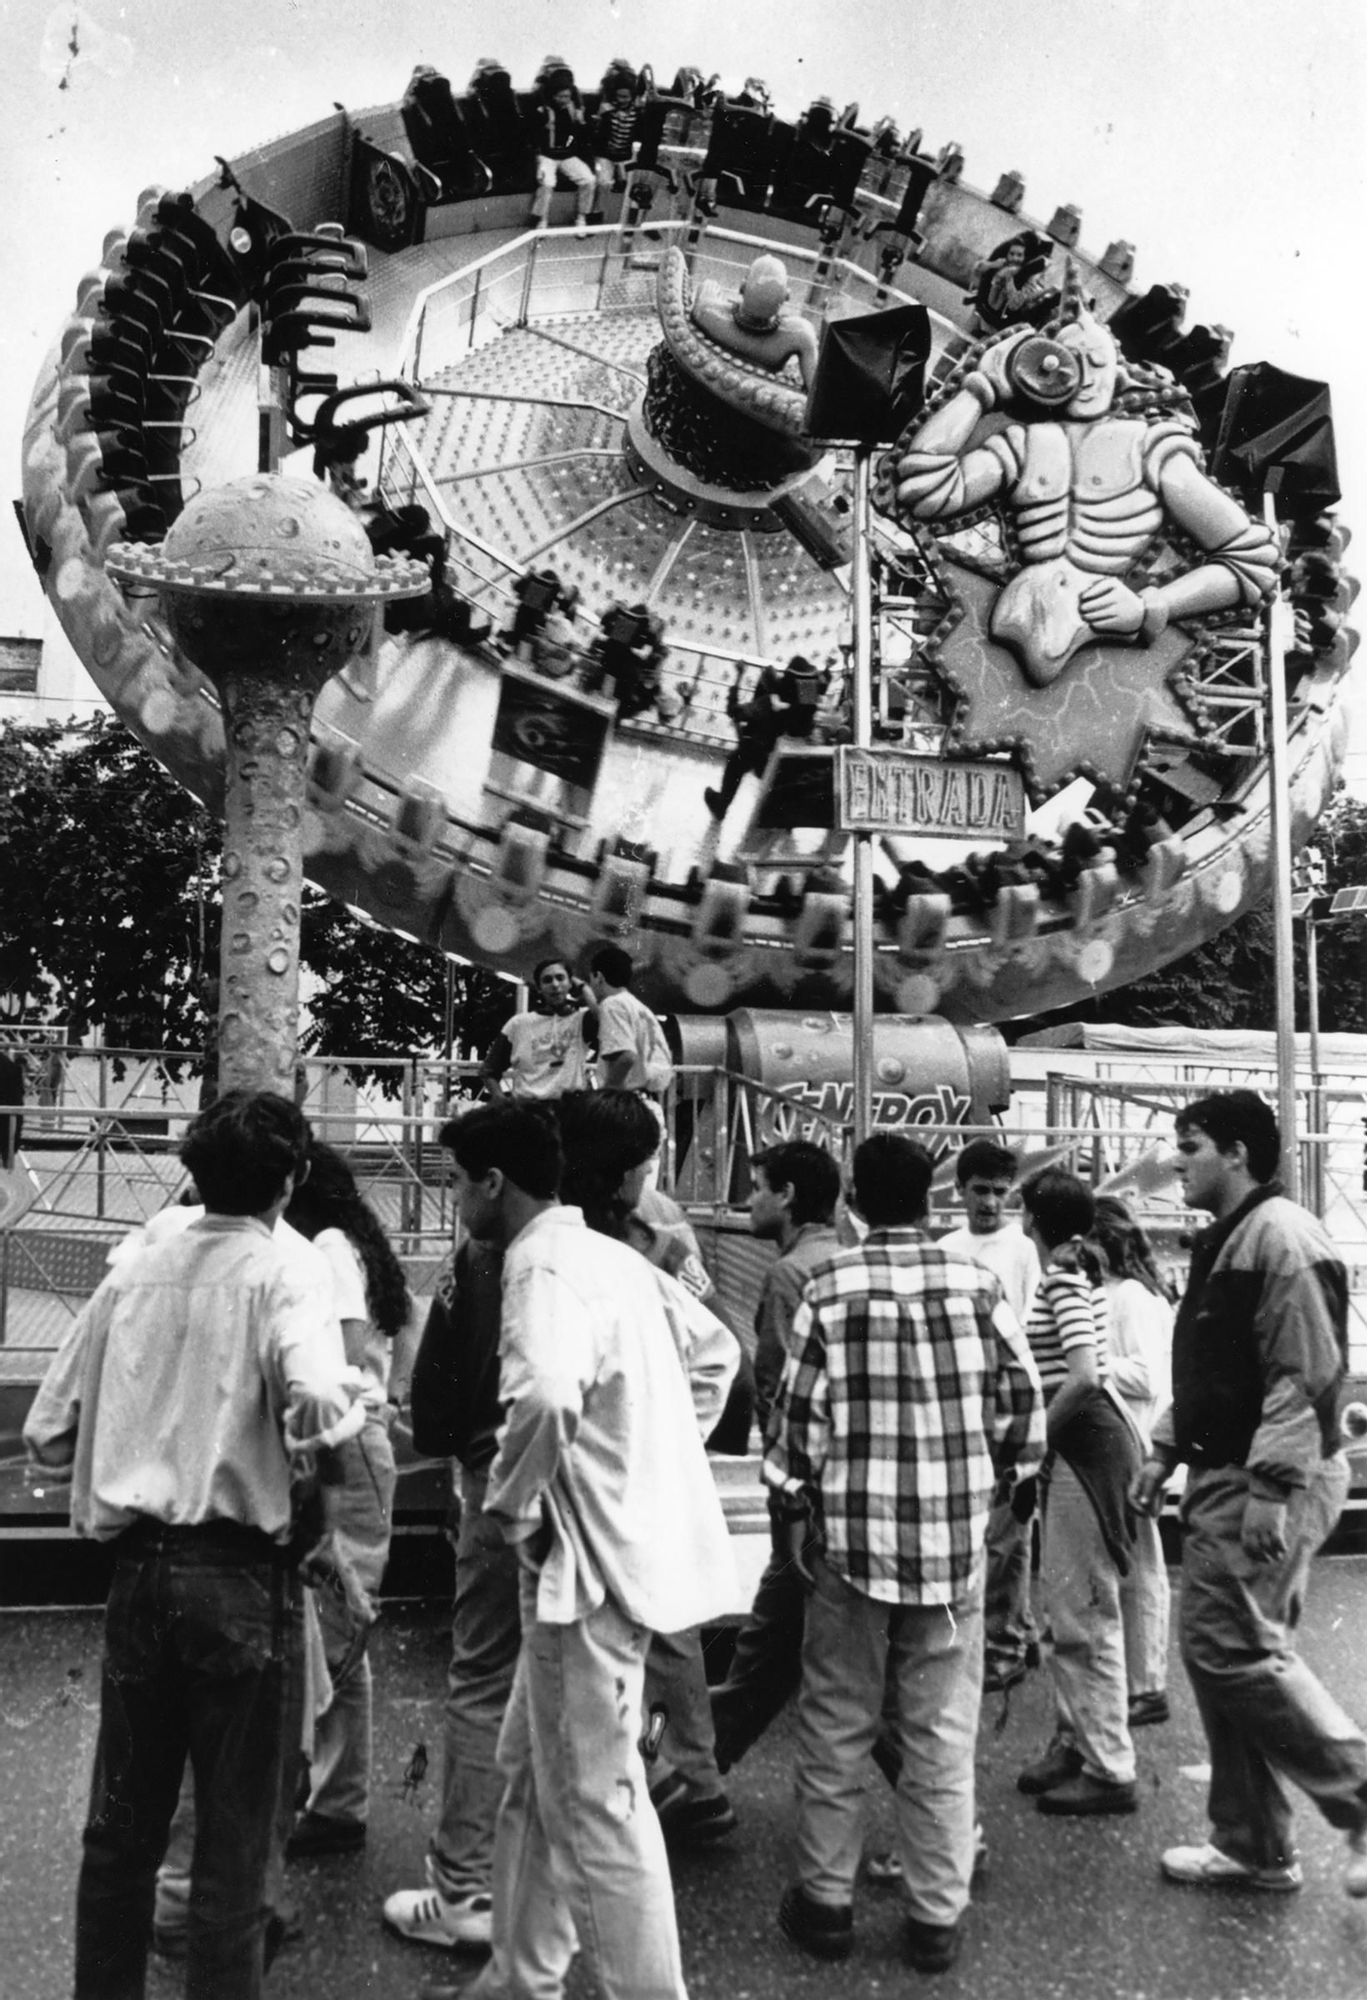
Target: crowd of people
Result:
[[224, 1404]]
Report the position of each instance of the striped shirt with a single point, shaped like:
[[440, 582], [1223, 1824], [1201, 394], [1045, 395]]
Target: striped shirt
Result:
[[1067, 1312], [908, 1389]]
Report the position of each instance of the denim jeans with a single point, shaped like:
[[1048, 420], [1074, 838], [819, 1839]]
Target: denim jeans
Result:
[[342, 1738], [1266, 1716], [579, 1850], [175, 1877], [1086, 1636], [676, 1680], [766, 1665], [853, 1644], [1006, 1606], [1145, 1611], [486, 1628], [197, 1654]]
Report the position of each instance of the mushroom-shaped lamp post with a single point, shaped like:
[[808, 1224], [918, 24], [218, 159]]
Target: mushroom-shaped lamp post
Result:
[[268, 585]]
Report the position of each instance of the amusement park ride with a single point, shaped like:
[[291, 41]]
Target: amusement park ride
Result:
[[622, 462]]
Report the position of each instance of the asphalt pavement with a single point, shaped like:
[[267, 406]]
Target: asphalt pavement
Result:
[[1068, 1910]]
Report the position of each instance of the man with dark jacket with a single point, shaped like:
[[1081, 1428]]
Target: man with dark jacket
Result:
[[456, 1414], [1258, 1361]]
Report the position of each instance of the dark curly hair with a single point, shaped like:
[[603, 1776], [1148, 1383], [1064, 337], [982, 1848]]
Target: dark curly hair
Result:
[[605, 1133], [330, 1199], [240, 1150]]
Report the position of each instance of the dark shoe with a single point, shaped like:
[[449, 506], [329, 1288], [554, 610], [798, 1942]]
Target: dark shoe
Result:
[[283, 1927], [1059, 1763], [931, 1947], [820, 1928], [714, 802], [1146, 1709], [321, 1833], [1003, 1674], [450, 1989], [1085, 1797], [693, 1822]]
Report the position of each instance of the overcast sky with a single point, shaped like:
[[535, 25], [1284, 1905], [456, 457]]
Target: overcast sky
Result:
[[1225, 138]]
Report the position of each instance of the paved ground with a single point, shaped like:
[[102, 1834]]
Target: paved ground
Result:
[[1069, 1911]]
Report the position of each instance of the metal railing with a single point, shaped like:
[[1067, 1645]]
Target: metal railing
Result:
[[548, 273], [98, 1154]]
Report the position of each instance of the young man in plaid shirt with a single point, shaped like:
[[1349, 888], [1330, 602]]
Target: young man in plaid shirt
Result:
[[908, 1392]]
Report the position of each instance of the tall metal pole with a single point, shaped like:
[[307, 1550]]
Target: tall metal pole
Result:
[[1316, 1098], [861, 717], [1278, 611]]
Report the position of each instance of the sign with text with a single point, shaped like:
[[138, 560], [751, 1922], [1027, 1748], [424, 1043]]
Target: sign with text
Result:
[[895, 791]]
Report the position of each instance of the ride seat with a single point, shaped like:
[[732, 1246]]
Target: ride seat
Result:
[[438, 137]]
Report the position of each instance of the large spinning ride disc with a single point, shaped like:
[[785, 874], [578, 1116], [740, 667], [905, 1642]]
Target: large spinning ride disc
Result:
[[614, 440]]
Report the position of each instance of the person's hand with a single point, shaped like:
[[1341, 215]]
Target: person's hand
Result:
[[1264, 1530], [532, 1550], [1146, 1488], [794, 1545], [1110, 606]]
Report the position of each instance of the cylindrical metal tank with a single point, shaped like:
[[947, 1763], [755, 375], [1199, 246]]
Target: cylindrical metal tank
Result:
[[927, 1071]]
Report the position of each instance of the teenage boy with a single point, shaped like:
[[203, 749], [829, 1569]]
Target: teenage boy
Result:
[[985, 1173], [1258, 1360], [792, 1205], [908, 1396], [205, 1358]]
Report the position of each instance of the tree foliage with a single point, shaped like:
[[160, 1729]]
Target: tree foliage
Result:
[[109, 874], [1230, 982], [110, 915], [379, 994]]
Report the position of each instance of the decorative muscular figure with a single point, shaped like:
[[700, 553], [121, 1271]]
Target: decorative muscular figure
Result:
[[757, 325], [1089, 490]]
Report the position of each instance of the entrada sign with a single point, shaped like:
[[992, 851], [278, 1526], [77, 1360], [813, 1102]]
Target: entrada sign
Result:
[[895, 791]]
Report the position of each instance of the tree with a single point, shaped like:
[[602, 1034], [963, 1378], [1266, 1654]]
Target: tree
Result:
[[1229, 982], [110, 886], [382, 995], [110, 915]]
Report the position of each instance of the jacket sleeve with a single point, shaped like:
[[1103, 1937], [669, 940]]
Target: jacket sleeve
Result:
[[708, 1350], [1302, 1330], [774, 1316], [435, 1397], [55, 1412], [549, 1361]]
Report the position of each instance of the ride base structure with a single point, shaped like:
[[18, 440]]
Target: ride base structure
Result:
[[619, 713]]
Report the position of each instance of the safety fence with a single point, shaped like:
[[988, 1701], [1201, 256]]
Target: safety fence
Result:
[[97, 1154]]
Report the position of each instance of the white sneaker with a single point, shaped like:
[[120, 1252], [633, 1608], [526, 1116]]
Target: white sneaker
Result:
[[1209, 1868], [428, 1917], [581, 228]]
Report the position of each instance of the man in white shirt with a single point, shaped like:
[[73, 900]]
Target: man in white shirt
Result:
[[632, 1051], [177, 1398], [985, 1173], [601, 1482], [543, 1053]]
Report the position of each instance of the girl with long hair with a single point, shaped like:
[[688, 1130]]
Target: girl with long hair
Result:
[[1141, 1322], [372, 1302], [1085, 1535]]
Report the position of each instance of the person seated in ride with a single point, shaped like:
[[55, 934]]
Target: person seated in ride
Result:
[[616, 128], [556, 122], [784, 703], [1011, 285], [757, 324]]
